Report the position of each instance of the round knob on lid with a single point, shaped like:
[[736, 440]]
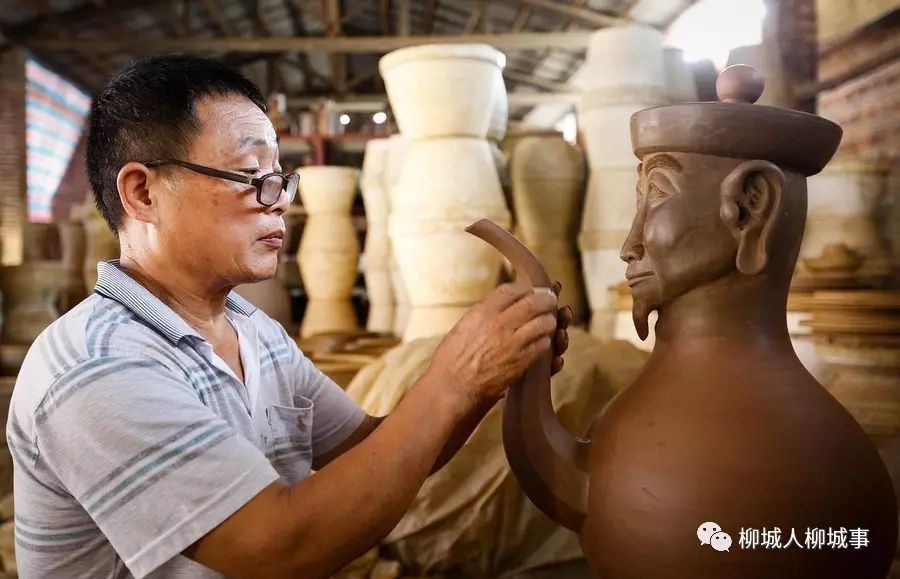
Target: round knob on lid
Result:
[[740, 83]]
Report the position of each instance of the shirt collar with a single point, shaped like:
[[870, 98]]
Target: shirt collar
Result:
[[114, 283]]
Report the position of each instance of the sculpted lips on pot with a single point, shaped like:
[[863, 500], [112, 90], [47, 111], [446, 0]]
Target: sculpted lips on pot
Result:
[[633, 279]]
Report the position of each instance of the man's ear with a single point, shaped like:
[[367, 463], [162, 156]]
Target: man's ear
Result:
[[133, 183], [751, 202]]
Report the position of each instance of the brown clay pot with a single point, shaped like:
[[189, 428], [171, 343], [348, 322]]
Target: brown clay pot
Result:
[[724, 427]]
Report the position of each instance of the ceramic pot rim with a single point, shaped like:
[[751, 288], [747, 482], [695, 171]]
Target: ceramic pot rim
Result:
[[480, 52]]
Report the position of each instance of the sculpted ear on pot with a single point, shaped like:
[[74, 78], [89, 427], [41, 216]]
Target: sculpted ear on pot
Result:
[[751, 203]]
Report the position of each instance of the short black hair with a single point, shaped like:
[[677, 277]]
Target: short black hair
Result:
[[147, 112]]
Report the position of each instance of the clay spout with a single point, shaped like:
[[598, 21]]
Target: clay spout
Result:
[[549, 463]]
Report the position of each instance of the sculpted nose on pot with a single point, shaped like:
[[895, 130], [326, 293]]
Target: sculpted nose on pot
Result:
[[633, 248]]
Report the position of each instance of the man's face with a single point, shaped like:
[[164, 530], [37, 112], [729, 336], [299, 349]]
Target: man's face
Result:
[[214, 226], [677, 240]]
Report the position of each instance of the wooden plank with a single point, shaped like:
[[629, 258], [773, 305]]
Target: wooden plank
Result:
[[403, 23], [533, 81], [215, 12], [586, 15], [349, 45]]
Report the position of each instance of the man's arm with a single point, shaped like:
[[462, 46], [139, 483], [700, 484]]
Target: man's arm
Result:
[[325, 521]]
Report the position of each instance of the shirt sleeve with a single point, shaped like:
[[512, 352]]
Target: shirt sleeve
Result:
[[152, 466], [335, 415]]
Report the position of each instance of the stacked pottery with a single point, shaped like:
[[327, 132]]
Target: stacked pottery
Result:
[[842, 245], [377, 253], [857, 336], [329, 251], [72, 240], [396, 154], [625, 72], [29, 293], [547, 177], [101, 244], [442, 97], [680, 82]]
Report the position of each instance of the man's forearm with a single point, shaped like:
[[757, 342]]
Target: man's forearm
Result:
[[335, 520], [462, 432]]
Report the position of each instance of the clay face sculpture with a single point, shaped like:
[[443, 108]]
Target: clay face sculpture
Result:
[[724, 425]]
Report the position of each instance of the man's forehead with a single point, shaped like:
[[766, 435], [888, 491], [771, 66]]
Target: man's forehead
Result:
[[239, 120]]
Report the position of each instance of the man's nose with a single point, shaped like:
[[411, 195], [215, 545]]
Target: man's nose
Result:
[[281, 205]]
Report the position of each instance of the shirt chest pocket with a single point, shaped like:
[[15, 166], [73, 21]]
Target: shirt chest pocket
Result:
[[289, 446]]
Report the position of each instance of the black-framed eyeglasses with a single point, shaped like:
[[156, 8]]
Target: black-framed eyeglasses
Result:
[[268, 187]]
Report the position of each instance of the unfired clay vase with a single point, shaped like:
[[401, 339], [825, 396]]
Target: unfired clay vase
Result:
[[443, 89], [843, 200], [329, 251], [101, 244], [680, 83], [74, 249], [29, 293], [626, 72], [377, 252], [396, 153], [724, 424], [444, 184], [547, 177]]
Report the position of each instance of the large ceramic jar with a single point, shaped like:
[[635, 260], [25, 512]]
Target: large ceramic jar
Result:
[[29, 293]]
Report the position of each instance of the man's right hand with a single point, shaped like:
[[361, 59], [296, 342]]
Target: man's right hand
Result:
[[496, 341]]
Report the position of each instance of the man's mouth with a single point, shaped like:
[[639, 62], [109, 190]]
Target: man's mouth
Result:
[[273, 239]]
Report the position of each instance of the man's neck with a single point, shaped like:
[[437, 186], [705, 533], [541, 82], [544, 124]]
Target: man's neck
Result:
[[199, 304]]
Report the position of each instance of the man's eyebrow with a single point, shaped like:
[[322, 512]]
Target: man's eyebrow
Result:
[[662, 161], [249, 141]]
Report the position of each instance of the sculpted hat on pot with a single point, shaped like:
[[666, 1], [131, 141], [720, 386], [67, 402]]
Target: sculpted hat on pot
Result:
[[735, 127]]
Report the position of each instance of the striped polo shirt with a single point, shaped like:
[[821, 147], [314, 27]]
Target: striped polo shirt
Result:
[[131, 438]]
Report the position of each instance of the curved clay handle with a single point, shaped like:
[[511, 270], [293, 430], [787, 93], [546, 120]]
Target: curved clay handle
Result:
[[549, 463]]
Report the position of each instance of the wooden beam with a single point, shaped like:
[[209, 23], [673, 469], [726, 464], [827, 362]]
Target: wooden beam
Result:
[[533, 81], [403, 25], [474, 19], [172, 19], [212, 8], [586, 15], [384, 14], [295, 10], [331, 21], [45, 9], [361, 78], [377, 102], [349, 45], [430, 9], [521, 20]]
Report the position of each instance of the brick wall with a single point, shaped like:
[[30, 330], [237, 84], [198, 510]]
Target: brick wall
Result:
[[837, 18], [12, 155], [868, 109]]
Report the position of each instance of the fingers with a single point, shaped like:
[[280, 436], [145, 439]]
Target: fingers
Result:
[[565, 317], [506, 295], [533, 351], [539, 328], [556, 366], [556, 287], [538, 303], [560, 342]]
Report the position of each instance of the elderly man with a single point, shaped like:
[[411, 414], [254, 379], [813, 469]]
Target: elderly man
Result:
[[167, 428]]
